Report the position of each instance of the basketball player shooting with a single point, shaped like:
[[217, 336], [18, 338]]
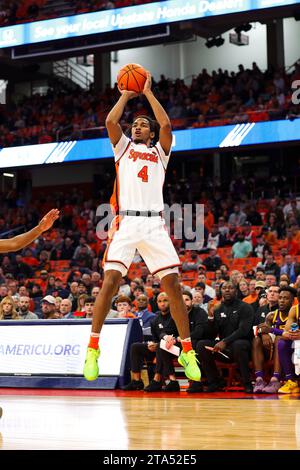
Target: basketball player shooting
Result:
[[141, 163]]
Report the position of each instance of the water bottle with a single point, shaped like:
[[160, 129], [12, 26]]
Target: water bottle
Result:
[[294, 327]]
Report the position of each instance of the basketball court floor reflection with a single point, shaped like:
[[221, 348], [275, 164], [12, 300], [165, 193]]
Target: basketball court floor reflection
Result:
[[141, 422]]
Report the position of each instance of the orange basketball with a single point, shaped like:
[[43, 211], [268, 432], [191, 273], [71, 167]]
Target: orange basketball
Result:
[[132, 77]]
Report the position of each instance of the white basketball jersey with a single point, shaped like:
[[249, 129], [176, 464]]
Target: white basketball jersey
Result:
[[140, 176]]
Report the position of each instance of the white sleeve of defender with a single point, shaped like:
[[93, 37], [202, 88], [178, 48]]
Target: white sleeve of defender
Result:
[[120, 147], [164, 158]]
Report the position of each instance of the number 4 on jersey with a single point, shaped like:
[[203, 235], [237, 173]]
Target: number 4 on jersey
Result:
[[144, 174]]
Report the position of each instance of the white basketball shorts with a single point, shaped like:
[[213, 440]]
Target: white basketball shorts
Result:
[[150, 237]]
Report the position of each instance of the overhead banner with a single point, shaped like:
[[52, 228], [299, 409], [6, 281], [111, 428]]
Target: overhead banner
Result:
[[126, 18], [271, 132]]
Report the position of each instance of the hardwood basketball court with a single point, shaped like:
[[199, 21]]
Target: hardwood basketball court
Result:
[[96, 420]]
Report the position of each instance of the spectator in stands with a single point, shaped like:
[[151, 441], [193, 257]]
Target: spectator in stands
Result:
[[143, 314], [215, 239], [68, 249], [89, 303], [44, 281], [232, 324], [155, 293], [57, 303], [49, 308], [249, 234], [95, 279], [238, 217], [254, 217], [271, 304], [33, 10], [163, 326], [73, 296], [209, 291], [124, 307], [235, 277], [65, 308], [132, 285], [242, 248], [252, 295], [225, 272], [8, 309], [80, 311], [213, 261], [200, 287], [260, 289], [86, 279], [271, 267], [44, 263], [22, 268], [223, 228], [198, 300], [270, 280], [260, 274], [59, 288], [137, 291], [261, 247], [95, 291], [290, 268], [7, 266], [12, 288], [50, 287], [82, 289], [3, 291], [193, 264], [84, 257], [124, 288], [243, 289], [266, 346], [24, 312]]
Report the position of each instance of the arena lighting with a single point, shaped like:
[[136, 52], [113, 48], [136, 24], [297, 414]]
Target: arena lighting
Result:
[[9, 175], [216, 41], [244, 27]]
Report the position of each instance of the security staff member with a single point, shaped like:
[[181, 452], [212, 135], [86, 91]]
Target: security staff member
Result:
[[232, 324]]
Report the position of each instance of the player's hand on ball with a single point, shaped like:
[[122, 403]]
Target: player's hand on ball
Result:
[[128, 94], [148, 83], [49, 219]]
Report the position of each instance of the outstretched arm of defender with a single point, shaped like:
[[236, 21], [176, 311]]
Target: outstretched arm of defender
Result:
[[113, 118], [165, 134], [20, 241]]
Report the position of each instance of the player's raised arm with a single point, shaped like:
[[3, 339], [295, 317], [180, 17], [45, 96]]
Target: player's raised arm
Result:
[[20, 241], [113, 118], [165, 133]]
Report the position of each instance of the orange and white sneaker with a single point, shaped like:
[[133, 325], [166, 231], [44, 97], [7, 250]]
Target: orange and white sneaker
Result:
[[291, 386]]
